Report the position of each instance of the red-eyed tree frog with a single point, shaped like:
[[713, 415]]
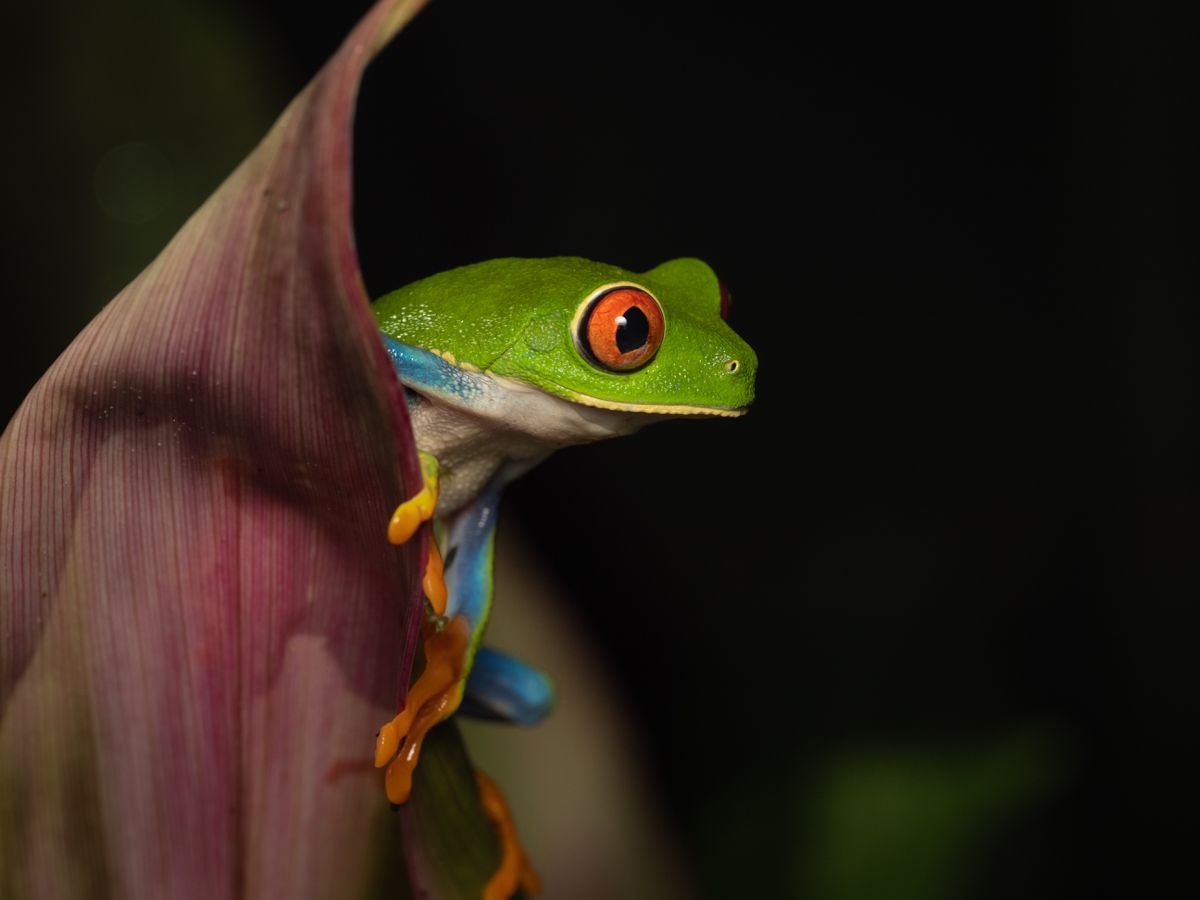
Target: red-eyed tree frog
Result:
[[503, 362]]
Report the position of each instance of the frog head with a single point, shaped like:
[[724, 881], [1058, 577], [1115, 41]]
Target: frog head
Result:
[[598, 335]]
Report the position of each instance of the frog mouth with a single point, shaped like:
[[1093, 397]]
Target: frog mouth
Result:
[[657, 409]]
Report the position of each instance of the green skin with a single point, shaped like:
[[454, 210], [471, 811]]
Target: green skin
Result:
[[508, 384]]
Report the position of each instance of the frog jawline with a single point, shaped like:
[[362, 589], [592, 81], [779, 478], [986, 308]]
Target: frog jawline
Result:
[[661, 409]]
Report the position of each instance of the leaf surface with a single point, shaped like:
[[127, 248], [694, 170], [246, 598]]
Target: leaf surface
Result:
[[201, 622]]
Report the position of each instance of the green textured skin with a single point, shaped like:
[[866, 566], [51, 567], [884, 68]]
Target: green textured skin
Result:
[[513, 317]]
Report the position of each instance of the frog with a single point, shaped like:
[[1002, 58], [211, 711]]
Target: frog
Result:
[[502, 363]]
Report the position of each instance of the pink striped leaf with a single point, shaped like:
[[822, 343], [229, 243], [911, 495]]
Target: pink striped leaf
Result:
[[201, 621]]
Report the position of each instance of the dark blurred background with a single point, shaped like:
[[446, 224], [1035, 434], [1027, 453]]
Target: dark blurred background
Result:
[[920, 625]]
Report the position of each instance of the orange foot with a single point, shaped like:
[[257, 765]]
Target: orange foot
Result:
[[433, 697], [515, 870], [411, 513]]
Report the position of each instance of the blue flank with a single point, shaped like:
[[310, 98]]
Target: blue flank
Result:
[[429, 373], [471, 534]]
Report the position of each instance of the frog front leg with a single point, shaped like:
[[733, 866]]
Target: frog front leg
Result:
[[435, 694], [495, 685]]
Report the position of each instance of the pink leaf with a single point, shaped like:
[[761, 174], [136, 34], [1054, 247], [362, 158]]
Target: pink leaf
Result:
[[201, 622]]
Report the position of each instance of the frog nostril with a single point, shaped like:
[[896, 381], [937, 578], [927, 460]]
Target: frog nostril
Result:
[[731, 366]]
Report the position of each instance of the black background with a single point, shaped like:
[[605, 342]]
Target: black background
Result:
[[955, 538]]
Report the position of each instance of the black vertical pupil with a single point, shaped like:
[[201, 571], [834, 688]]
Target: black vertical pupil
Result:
[[634, 331]]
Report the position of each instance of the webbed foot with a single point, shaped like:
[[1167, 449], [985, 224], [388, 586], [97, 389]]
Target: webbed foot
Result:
[[433, 697]]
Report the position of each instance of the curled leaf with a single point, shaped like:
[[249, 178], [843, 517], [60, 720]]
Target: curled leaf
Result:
[[201, 622]]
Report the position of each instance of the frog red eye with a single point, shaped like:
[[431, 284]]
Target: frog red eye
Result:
[[621, 329], [726, 300]]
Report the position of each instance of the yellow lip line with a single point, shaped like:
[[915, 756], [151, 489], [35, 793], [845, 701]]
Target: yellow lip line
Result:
[[656, 408]]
